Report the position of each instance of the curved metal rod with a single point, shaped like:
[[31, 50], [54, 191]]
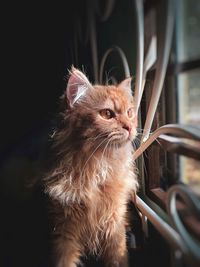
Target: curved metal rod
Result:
[[140, 49], [183, 131], [123, 58], [163, 58], [164, 228], [193, 203], [150, 59], [151, 55], [108, 10]]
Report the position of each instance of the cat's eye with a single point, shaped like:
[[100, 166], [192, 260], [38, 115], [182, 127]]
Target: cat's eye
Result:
[[107, 114], [130, 112]]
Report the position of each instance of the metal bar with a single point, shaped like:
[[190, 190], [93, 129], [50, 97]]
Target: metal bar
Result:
[[123, 58], [175, 129], [150, 59], [180, 146], [140, 49], [164, 229], [163, 57], [184, 66], [192, 203]]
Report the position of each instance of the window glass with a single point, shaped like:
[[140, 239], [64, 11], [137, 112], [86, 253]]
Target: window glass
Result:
[[188, 30], [189, 113], [190, 173], [188, 83], [189, 97]]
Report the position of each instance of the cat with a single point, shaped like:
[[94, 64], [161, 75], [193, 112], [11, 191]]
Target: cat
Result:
[[93, 175]]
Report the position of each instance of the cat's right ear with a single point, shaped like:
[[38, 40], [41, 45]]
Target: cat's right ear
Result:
[[77, 86], [126, 85]]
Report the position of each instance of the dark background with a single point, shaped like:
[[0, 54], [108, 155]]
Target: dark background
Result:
[[34, 60], [34, 64]]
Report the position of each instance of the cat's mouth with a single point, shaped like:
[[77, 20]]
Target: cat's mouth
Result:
[[120, 138], [113, 140]]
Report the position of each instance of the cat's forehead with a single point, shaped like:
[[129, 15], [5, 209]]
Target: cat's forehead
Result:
[[116, 99]]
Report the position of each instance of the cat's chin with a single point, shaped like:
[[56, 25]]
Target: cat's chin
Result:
[[121, 142]]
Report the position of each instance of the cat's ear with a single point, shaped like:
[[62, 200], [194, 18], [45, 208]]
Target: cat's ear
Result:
[[126, 85], [77, 86]]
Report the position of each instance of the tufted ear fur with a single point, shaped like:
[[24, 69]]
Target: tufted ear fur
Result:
[[126, 85], [77, 86]]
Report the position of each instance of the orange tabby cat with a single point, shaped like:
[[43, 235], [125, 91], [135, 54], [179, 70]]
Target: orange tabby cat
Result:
[[94, 174]]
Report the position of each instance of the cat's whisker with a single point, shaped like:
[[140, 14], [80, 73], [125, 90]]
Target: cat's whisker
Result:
[[139, 130], [93, 154], [134, 145], [158, 142], [104, 150], [139, 134], [137, 141], [100, 135]]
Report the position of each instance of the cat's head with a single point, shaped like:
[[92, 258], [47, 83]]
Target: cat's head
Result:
[[102, 114]]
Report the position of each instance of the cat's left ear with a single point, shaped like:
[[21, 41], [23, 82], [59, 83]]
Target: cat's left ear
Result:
[[126, 85], [77, 86]]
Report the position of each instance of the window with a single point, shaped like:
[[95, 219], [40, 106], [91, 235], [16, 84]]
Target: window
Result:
[[188, 82], [187, 30]]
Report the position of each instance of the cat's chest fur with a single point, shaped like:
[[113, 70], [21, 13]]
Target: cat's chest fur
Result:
[[103, 210], [111, 180], [109, 202], [106, 195]]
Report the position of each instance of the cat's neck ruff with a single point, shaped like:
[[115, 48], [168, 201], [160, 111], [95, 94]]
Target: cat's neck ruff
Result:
[[77, 175]]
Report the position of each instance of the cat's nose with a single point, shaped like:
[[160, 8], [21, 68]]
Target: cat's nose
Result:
[[127, 127]]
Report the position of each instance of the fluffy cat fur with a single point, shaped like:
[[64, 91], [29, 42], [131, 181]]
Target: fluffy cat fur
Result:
[[93, 174]]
